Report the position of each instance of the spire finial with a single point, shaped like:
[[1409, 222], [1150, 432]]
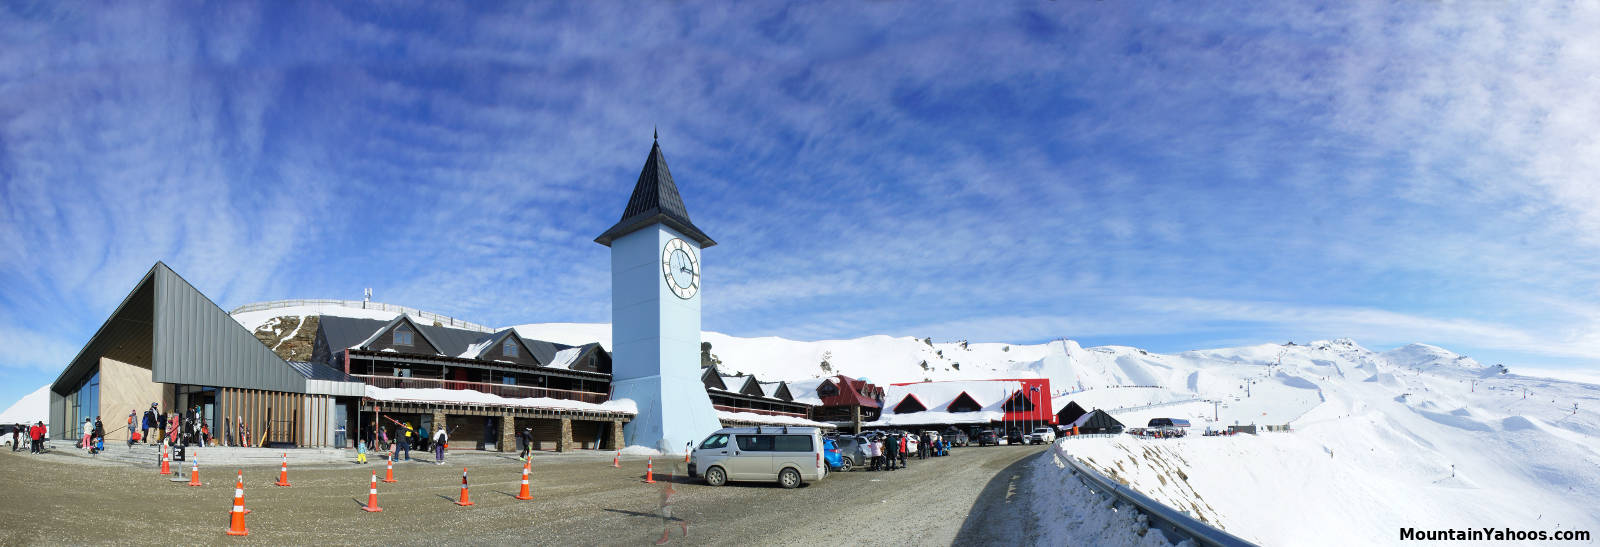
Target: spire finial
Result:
[[655, 134]]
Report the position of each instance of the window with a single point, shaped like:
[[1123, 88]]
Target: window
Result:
[[715, 441], [508, 380], [402, 372], [755, 443], [510, 349], [402, 336], [794, 443]]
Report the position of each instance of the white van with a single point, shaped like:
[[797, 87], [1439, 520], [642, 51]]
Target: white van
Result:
[[786, 454]]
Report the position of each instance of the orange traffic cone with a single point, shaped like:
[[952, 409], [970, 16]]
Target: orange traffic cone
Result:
[[372, 496], [166, 461], [524, 495], [650, 471], [283, 472], [617, 460], [236, 519], [388, 476], [464, 501], [241, 485], [194, 473]]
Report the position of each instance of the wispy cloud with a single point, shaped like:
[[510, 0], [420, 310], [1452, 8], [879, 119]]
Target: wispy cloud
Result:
[[1169, 174]]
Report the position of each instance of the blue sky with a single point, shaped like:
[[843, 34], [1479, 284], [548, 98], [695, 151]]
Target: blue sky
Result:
[[1167, 176]]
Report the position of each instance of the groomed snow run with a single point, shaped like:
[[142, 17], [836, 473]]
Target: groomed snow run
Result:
[[467, 396]]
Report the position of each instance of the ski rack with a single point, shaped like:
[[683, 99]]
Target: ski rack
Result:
[[1176, 525]]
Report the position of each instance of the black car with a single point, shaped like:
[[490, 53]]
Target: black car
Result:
[[956, 437], [1014, 436], [988, 438]]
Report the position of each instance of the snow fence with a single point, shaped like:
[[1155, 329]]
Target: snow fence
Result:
[[1176, 525]]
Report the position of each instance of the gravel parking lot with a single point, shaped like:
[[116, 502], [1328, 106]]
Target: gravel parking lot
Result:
[[578, 500]]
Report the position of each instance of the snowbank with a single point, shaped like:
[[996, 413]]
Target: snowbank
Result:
[[467, 396], [1068, 513]]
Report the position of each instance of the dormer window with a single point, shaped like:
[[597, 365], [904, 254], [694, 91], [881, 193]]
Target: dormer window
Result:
[[510, 348], [827, 390], [402, 336]]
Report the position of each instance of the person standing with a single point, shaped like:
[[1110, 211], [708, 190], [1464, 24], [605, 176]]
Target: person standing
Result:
[[99, 433], [889, 446], [361, 451], [16, 437], [422, 438], [440, 439], [877, 454], [37, 434], [902, 452], [88, 431], [525, 438], [404, 437], [148, 423]]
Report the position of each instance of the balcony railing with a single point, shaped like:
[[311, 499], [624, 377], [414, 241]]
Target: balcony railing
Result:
[[503, 390], [760, 411]]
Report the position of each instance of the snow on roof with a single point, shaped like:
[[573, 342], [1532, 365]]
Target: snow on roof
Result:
[[990, 394], [751, 417], [937, 417], [937, 396], [467, 396], [565, 358], [805, 391], [33, 407]]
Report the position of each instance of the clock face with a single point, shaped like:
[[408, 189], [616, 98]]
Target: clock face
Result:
[[680, 269]]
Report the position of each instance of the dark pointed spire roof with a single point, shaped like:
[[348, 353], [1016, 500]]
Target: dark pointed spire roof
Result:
[[655, 199]]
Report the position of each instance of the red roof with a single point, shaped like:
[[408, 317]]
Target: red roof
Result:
[[850, 393]]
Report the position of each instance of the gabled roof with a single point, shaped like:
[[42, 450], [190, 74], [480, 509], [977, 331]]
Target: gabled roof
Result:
[[1070, 413], [777, 390], [711, 379], [402, 318], [655, 199], [908, 404], [1097, 419], [850, 393], [476, 350], [751, 387], [963, 397]]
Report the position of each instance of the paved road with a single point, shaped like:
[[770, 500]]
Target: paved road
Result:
[[970, 497]]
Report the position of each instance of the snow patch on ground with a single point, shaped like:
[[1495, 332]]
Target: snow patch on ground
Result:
[[1068, 513]]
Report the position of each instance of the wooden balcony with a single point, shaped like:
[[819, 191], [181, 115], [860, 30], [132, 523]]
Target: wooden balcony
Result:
[[502, 390], [727, 408]]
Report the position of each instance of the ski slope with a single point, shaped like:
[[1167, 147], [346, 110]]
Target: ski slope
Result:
[[1413, 437]]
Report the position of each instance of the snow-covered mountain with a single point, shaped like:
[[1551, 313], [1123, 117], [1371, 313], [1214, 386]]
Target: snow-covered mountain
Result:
[[1416, 436]]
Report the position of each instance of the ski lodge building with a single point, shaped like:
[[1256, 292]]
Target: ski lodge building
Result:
[[168, 344]]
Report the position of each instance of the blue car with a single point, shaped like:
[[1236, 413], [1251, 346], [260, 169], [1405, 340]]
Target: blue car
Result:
[[830, 452]]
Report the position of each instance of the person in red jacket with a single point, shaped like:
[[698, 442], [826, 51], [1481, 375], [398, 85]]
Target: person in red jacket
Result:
[[37, 434]]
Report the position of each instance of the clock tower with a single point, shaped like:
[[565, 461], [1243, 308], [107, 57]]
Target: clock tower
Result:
[[655, 314]]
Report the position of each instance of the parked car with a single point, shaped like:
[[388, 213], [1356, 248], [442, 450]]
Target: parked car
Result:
[[988, 438], [1042, 435], [788, 455], [956, 437], [911, 443], [852, 452], [830, 454], [1014, 436]]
